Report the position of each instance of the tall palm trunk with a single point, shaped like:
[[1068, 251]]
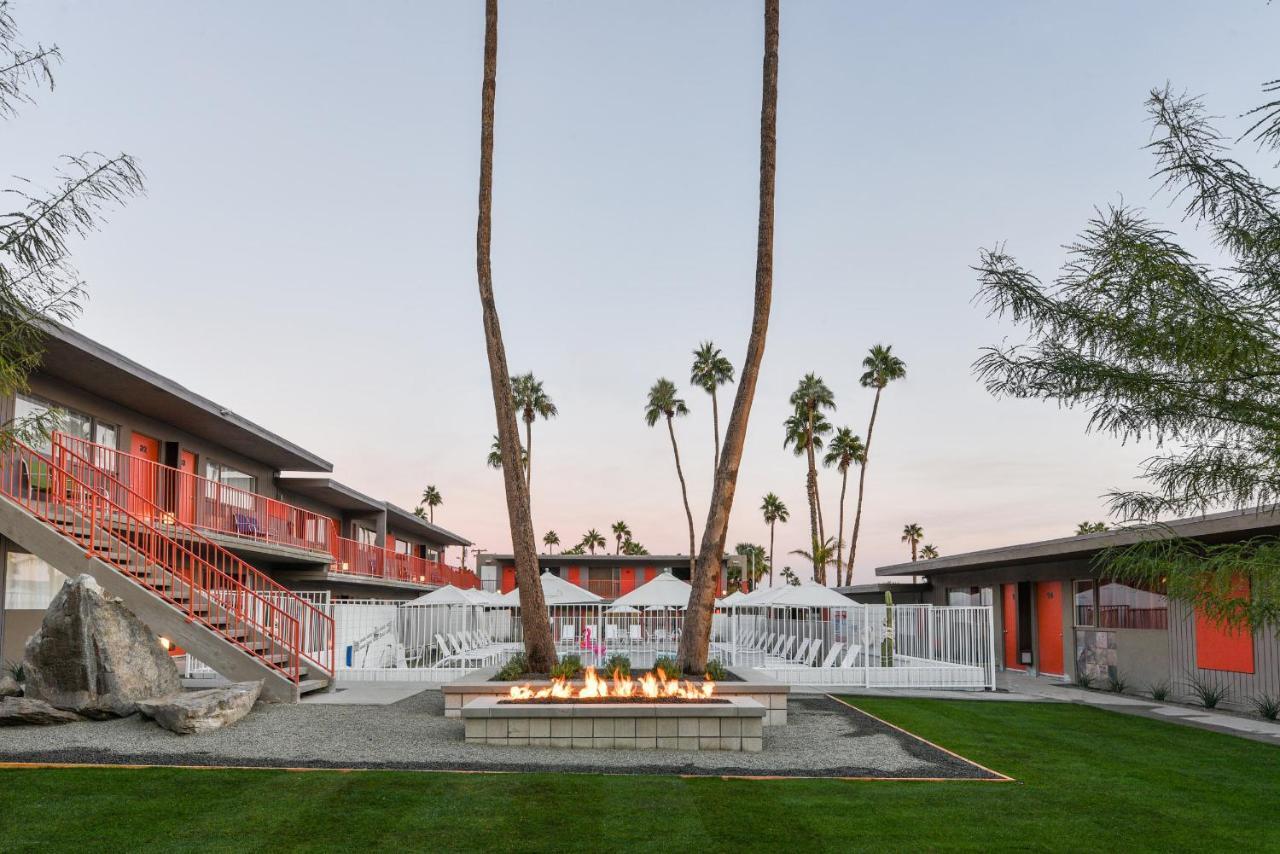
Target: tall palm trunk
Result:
[[528, 461], [844, 485], [695, 638], [715, 425], [772, 525], [539, 647], [815, 511], [862, 483], [684, 493]]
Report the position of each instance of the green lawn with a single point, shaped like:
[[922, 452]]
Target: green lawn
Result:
[[1087, 779]]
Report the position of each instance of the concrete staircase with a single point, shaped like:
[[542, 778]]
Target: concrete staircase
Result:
[[200, 597]]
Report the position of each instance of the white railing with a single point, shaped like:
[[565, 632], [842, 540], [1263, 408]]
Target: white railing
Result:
[[933, 647]]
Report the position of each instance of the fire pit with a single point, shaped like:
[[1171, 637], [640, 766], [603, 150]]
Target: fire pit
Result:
[[651, 712]]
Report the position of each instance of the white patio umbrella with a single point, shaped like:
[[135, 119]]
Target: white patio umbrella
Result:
[[447, 595], [664, 591], [808, 596], [622, 609], [732, 599], [556, 591]]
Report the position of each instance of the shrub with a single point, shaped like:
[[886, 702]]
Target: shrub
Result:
[[618, 663], [1208, 693], [668, 665], [1160, 690], [1083, 679], [15, 670], [567, 668], [1267, 706], [1116, 684], [513, 669], [716, 671]]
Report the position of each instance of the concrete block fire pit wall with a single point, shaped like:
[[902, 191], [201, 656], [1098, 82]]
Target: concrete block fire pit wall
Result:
[[769, 693], [736, 724]]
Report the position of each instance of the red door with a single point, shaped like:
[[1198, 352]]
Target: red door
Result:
[[142, 480], [1009, 617], [187, 487], [1049, 627]]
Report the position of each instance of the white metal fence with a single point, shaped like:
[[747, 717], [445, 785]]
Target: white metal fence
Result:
[[932, 647]]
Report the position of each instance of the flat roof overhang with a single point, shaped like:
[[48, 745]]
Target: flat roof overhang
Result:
[[1231, 526], [598, 560], [80, 361], [328, 491], [399, 519]]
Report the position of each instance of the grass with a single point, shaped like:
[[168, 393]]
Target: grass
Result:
[[1087, 778]]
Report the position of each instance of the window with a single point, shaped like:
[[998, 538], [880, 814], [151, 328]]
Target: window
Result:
[[74, 423], [1085, 607], [1131, 606], [404, 548], [968, 595], [365, 536], [30, 583], [228, 476]]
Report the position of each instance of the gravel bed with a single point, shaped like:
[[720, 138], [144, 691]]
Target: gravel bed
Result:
[[823, 738]]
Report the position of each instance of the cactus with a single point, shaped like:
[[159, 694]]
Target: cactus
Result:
[[886, 645]]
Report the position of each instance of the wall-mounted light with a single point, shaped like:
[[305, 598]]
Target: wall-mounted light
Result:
[[165, 642]]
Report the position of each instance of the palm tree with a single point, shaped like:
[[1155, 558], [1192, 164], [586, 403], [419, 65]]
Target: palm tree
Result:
[[495, 455], [809, 399], [774, 512], [551, 539], [1090, 528], [432, 499], [711, 370], [663, 403], [621, 532], [912, 533], [757, 562], [882, 368], [593, 540], [928, 552], [533, 402], [820, 557], [539, 646], [845, 450], [695, 638]]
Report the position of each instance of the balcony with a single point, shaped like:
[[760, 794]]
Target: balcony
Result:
[[609, 588], [366, 560]]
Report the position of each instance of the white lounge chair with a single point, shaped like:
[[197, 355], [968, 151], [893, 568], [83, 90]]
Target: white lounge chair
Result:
[[637, 636], [813, 654], [804, 648], [832, 654], [786, 647]]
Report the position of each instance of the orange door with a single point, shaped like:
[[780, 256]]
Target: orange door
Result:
[[1010, 619], [1049, 627], [143, 479], [187, 487]]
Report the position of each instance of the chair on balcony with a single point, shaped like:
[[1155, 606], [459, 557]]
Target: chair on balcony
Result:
[[247, 526]]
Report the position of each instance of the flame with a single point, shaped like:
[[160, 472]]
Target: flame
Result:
[[593, 687]]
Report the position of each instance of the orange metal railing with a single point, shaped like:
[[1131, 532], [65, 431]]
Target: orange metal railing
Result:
[[197, 501], [210, 585], [372, 561]]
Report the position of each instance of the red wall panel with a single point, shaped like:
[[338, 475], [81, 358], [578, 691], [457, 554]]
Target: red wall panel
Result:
[[1222, 648]]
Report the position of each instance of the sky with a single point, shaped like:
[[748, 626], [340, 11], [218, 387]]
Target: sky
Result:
[[305, 251]]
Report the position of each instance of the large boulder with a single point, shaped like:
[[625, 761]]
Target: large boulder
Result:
[[203, 711], [24, 711], [9, 686], [92, 656]]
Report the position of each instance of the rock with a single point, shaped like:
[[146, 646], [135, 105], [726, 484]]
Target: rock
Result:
[[203, 711], [24, 711], [92, 656], [9, 686]]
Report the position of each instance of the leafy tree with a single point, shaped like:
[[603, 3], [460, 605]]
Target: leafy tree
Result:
[[757, 563], [592, 540], [821, 557], [432, 499], [695, 637], [1090, 528], [804, 430], [711, 369], [38, 283], [881, 367], [1158, 345], [774, 511], [533, 402], [621, 532], [663, 403], [551, 539], [495, 455], [845, 450], [539, 645], [912, 533], [928, 551]]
